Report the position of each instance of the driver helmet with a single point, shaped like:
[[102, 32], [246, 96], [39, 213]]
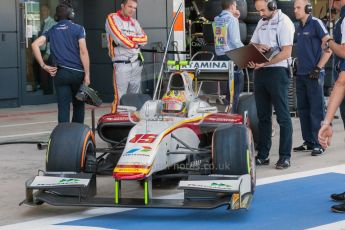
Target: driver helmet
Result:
[[174, 102]]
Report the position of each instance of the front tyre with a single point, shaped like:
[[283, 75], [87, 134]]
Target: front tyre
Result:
[[71, 148], [233, 151]]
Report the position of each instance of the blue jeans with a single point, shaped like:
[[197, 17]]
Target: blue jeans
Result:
[[271, 88], [310, 107], [67, 83]]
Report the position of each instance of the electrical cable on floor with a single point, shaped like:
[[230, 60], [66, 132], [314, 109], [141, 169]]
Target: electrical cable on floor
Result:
[[40, 144]]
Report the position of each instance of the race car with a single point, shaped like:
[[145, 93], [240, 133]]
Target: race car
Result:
[[177, 135]]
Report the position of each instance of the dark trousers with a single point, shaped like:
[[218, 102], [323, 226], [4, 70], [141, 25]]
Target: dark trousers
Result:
[[310, 107], [67, 83], [271, 88]]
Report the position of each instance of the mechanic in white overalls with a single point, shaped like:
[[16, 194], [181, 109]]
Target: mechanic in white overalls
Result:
[[271, 80], [227, 37], [125, 36]]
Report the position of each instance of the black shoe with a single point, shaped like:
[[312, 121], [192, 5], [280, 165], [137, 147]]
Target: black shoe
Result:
[[259, 161], [338, 208], [283, 164], [338, 196], [303, 147], [317, 151]]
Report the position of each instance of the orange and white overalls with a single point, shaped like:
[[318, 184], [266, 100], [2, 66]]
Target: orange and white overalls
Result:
[[125, 36]]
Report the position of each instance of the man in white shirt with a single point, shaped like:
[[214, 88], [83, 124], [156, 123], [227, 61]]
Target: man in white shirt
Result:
[[274, 31]]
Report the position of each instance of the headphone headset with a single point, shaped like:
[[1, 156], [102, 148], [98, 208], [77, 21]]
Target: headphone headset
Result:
[[271, 5], [70, 11], [63, 9], [308, 9]]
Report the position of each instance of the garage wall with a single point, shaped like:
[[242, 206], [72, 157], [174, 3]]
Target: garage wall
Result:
[[9, 79], [155, 25], [95, 13]]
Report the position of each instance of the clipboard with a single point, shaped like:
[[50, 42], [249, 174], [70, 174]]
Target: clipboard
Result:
[[243, 55]]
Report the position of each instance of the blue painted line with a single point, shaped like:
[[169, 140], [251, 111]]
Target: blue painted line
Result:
[[293, 204]]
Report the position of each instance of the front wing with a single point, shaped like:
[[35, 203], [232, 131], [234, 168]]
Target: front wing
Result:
[[200, 192]]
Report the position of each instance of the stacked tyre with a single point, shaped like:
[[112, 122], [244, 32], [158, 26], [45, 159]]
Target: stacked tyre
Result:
[[287, 7], [252, 20]]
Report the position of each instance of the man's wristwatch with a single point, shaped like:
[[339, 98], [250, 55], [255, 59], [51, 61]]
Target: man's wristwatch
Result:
[[325, 122]]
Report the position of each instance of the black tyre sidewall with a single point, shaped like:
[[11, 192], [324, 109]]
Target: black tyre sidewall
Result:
[[246, 102], [230, 146], [66, 147]]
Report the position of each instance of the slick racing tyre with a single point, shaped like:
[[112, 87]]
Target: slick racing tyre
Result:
[[232, 150], [253, 16], [214, 8], [246, 102], [287, 7], [71, 148]]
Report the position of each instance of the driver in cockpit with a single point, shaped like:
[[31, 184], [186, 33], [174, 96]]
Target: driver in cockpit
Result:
[[174, 103]]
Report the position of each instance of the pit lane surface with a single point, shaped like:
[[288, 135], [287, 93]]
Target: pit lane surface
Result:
[[287, 205]]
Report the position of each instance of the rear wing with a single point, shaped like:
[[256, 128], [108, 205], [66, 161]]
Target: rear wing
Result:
[[205, 70]]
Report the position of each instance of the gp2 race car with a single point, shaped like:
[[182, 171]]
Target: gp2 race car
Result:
[[179, 135]]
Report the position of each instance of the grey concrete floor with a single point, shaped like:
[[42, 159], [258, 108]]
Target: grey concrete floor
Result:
[[19, 162]]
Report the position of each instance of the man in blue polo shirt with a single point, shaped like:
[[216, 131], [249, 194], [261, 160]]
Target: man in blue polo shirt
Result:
[[227, 37], [71, 60], [311, 60]]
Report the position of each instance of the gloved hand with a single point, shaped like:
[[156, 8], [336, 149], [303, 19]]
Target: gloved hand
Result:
[[314, 75]]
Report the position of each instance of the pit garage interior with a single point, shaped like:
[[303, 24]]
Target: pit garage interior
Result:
[[300, 194], [21, 22]]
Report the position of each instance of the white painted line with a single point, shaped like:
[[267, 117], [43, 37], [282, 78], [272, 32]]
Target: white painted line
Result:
[[24, 124], [268, 180], [337, 225], [25, 134], [46, 223], [33, 123]]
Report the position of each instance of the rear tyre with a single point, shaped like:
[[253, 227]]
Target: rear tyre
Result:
[[246, 102], [71, 148]]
